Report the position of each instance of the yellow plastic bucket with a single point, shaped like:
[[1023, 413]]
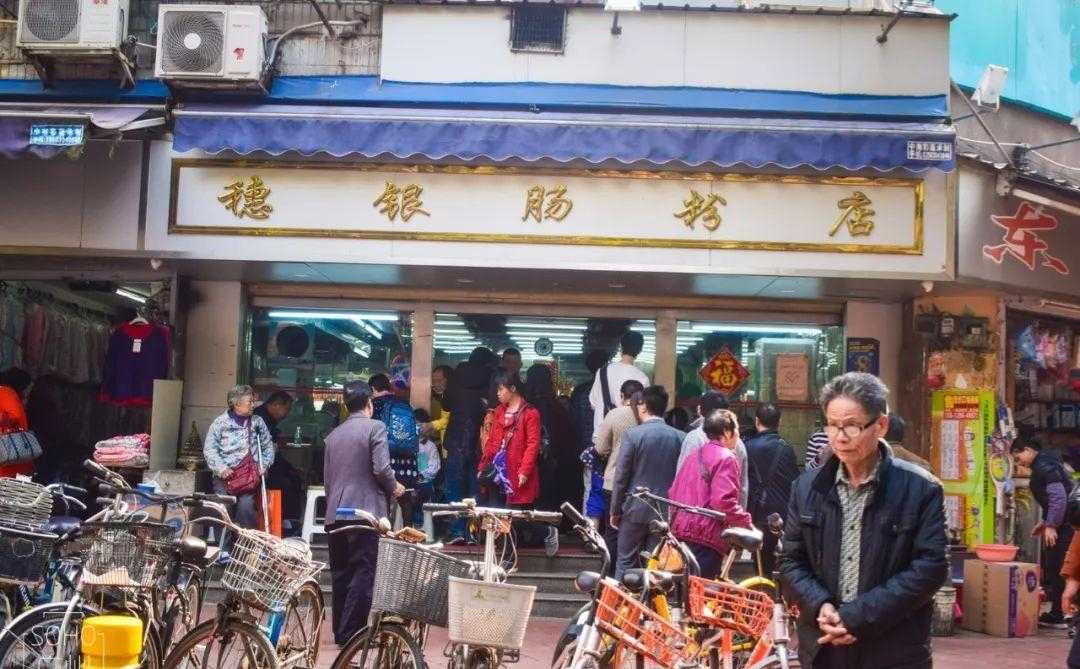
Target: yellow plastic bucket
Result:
[[111, 642]]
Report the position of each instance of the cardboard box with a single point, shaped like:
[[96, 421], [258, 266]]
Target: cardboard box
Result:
[[1001, 598]]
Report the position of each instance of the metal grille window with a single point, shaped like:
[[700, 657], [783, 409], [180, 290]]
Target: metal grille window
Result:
[[538, 28]]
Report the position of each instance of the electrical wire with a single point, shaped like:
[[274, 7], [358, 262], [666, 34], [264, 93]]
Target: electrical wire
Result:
[[1074, 168], [146, 46], [294, 29]]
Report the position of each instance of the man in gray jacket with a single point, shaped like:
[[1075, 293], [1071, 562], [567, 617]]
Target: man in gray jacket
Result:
[[358, 475], [649, 455]]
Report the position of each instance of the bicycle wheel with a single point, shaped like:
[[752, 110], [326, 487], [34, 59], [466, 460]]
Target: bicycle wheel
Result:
[[32, 639], [181, 613], [390, 647], [234, 644], [303, 624]]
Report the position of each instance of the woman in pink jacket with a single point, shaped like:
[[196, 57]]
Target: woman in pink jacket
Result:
[[710, 478]]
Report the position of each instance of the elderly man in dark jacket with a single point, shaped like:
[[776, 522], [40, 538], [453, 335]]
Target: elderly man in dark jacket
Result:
[[865, 542], [358, 475]]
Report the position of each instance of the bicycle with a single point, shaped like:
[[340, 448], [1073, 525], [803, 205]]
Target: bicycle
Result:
[[487, 616], [262, 573], [121, 559], [411, 585]]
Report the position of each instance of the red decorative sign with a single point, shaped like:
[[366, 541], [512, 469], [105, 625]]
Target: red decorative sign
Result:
[[724, 373], [1022, 242]]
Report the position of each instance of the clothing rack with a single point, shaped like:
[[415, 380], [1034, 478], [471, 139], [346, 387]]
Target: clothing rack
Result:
[[43, 295]]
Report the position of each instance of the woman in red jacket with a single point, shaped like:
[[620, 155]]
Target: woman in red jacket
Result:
[[515, 430], [14, 384]]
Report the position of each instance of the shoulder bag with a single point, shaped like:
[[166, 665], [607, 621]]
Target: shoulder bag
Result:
[[245, 475], [17, 445], [489, 476]]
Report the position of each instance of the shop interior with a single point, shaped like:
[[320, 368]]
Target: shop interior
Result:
[[62, 332], [312, 353]]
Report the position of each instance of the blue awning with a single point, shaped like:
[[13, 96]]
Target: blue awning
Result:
[[499, 136], [47, 130]]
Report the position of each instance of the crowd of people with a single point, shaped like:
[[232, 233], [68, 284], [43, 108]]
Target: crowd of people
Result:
[[865, 543]]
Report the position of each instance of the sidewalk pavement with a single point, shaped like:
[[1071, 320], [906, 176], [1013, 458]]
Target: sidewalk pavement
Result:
[[966, 650]]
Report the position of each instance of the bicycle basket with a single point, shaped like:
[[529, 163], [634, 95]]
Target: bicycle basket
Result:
[[729, 606], [24, 556], [268, 568], [638, 628], [488, 614], [23, 504], [411, 581], [126, 554]]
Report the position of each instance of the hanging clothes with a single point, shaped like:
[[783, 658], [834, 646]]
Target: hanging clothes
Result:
[[138, 354]]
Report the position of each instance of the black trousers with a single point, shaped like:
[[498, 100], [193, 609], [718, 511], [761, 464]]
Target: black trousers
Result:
[[352, 568], [1052, 559]]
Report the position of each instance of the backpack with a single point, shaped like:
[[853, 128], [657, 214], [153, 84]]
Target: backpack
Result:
[[401, 428]]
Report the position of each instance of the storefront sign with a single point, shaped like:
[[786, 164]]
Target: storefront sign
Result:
[[71, 134], [863, 355], [562, 207], [792, 377], [1013, 242], [724, 373]]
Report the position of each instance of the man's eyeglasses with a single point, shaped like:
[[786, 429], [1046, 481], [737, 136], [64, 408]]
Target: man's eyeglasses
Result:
[[850, 431]]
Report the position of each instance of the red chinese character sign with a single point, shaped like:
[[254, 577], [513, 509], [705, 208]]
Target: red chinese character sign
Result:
[[1022, 241], [724, 373]]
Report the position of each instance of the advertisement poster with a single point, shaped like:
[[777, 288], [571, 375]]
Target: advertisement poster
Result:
[[962, 422], [863, 355], [792, 377]]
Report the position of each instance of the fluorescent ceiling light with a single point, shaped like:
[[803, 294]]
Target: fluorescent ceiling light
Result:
[[371, 329], [133, 296], [545, 335], [519, 325], [622, 6], [335, 315], [361, 352]]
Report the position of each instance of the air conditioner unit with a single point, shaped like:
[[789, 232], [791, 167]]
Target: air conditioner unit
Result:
[[55, 27], [211, 46], [295, 341]]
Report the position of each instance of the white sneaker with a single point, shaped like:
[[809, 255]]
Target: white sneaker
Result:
[[551, 542]]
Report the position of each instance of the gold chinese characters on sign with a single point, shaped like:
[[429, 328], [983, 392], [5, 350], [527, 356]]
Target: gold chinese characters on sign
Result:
[[547, 204], [404, 202], [856, 212], [247, 199], [697, 208]]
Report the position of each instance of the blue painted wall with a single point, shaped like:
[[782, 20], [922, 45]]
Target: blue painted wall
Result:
[[1038, 40]]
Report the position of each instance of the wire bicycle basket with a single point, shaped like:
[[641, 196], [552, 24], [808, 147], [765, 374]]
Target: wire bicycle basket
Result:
[[412, 581], [25, 555], [488, 614], [24, 505], [126, 554], [269, 569], [729, 606], [638, 628]]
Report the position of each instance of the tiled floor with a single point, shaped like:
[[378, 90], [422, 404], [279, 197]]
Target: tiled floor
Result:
[[966, 650]]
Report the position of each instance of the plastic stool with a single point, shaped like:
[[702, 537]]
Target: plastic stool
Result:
[[310, 527]]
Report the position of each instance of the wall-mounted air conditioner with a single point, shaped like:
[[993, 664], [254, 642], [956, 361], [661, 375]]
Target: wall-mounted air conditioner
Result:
[[211, 46], [56, 27]]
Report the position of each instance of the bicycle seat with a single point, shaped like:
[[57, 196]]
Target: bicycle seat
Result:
[[62, 525], [191, 550], [749, 540], [634, 580], [586, 581]]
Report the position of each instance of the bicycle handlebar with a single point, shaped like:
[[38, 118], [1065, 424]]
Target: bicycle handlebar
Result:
[[469, 509], [643, 492]]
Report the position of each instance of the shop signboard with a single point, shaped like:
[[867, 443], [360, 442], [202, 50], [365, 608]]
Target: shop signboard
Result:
[[724, 373], [654, 220], [863, 355], [1014, 242], [962, 423]]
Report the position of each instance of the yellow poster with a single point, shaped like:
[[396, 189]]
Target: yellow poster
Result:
[[962, 422]]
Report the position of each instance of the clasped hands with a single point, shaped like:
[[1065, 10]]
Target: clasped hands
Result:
[[835, 633]]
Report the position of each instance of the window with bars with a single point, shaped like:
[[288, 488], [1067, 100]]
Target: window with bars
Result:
[[538, 28]]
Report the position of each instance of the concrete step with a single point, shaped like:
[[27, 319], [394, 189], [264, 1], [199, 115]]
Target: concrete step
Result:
[[557, 583]]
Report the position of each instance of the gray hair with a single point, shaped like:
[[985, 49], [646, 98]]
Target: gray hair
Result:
[[866, 389], [239, 392]]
